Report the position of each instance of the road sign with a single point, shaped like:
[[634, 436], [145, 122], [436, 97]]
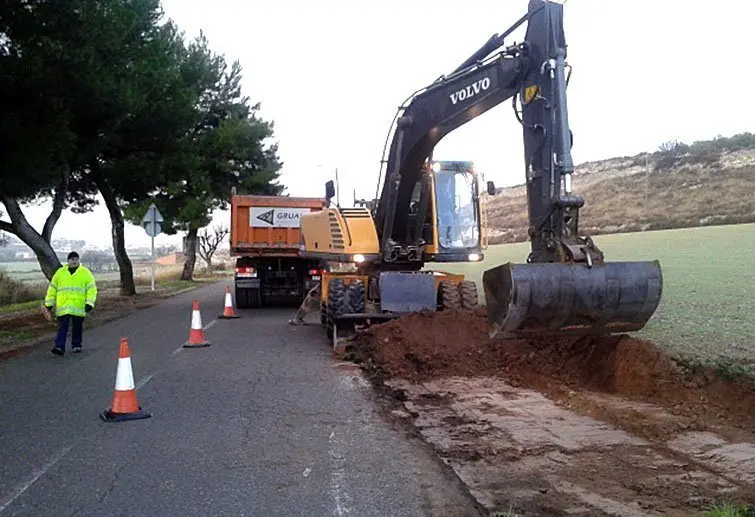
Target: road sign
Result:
[[151, 224], [151, 221]]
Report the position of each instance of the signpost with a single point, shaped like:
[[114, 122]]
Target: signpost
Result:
[[152, 224]]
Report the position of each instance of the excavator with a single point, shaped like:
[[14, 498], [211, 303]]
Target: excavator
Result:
[[430, 211]]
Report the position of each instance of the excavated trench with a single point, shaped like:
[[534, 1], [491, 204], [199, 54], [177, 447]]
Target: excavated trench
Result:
[[568, 426]]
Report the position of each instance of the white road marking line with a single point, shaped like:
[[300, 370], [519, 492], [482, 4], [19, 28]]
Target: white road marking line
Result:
[[144, 381], [337, 477], [35, 476], [181, 346]]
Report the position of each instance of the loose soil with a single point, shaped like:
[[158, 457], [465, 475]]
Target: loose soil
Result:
[[568, 426]]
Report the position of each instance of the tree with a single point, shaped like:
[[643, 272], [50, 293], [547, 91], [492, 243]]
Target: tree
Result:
[[225, 149], [92, 91], [41, 56], [156, 85], [209, 243]]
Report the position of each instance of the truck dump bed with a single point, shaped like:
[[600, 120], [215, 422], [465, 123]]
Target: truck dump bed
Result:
[[267, 226]]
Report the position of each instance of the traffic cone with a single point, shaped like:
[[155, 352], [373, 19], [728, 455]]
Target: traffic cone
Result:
[[124, 406], [196, 335], [228, 313]]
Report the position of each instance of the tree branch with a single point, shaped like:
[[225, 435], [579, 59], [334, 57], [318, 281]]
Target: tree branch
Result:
[[7, 227], [58, 204], [208, 245]]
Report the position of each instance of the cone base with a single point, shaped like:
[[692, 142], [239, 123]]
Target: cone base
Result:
[[203, 344], [109, 416], [231, 317]]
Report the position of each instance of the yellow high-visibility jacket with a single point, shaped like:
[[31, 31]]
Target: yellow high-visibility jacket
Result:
[[70, 293]]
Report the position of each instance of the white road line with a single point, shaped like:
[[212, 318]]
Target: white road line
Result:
[[35, 476], [144, 381], [181, 346], [337, 490]]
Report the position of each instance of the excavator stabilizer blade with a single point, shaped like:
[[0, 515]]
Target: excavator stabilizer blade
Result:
[[551, 299]]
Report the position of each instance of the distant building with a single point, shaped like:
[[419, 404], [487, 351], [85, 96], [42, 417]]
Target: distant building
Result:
[[171, 260]]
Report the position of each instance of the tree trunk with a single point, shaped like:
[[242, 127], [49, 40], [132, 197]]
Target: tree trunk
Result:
[[128, 288], [191, 254], [58, 203], [20, 227]]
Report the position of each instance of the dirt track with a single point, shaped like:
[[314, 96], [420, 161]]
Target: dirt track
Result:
[[599, 426]]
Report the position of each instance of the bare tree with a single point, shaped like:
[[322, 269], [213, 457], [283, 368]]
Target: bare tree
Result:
[[209, 243]]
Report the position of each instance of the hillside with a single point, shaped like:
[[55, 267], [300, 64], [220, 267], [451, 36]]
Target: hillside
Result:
[[679, 186]]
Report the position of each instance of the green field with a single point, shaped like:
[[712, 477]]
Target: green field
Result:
[[708, 305]]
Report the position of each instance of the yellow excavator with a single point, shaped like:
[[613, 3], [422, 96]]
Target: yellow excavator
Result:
[[430, 211]]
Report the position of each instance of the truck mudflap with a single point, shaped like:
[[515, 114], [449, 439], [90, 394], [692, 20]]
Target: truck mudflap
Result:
[[552, 299]]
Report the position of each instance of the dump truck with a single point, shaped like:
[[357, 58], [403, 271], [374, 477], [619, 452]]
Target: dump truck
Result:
[[265, 239]]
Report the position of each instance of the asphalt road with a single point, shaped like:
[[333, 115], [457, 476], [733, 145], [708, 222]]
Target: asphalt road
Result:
[[262, 423]]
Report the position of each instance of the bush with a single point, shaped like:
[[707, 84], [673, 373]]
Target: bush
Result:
[[13, 291]]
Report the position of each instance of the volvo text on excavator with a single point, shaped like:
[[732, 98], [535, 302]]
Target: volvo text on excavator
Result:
[[429, 211]]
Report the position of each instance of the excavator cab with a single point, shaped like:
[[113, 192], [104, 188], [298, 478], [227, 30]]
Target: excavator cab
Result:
[[457, 208], [450, 218]]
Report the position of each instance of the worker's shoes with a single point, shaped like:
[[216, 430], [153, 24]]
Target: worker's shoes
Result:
[[76, 349], [58, 351]]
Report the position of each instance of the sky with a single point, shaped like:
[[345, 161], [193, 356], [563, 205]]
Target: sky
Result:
[[331, 74]]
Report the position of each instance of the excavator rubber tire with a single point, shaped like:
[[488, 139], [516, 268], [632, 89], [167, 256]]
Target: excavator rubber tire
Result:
[[468, 294], [355, 294], [336, 303], [448, 296], [552, 299]]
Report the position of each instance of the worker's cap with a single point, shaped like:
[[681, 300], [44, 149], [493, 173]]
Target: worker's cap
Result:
[[73, 255]]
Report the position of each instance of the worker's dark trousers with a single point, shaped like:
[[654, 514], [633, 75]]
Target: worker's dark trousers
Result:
[[76, 332]]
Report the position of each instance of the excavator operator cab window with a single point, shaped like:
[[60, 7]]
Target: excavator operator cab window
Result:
[[456, 202]]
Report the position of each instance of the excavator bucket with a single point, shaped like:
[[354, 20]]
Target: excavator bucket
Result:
[[552, 299]]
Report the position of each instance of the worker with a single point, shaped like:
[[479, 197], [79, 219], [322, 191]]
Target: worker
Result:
[[71, 294]]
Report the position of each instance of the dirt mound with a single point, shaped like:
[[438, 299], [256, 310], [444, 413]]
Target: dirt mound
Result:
[[427, 346]]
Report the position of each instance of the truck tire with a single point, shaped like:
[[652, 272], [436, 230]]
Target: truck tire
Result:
[[468, 294], [248, 298], [356, 296], [241, 299], [448, 296]]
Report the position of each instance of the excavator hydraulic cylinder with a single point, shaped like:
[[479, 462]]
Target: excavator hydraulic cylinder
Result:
[[552, 299]]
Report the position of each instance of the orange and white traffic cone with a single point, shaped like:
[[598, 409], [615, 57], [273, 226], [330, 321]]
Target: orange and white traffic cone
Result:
[[125, 405], [196, 335], [228, 313]]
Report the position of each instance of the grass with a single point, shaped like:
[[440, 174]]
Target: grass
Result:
[[731, 510], [707, 305], [19, 307]]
